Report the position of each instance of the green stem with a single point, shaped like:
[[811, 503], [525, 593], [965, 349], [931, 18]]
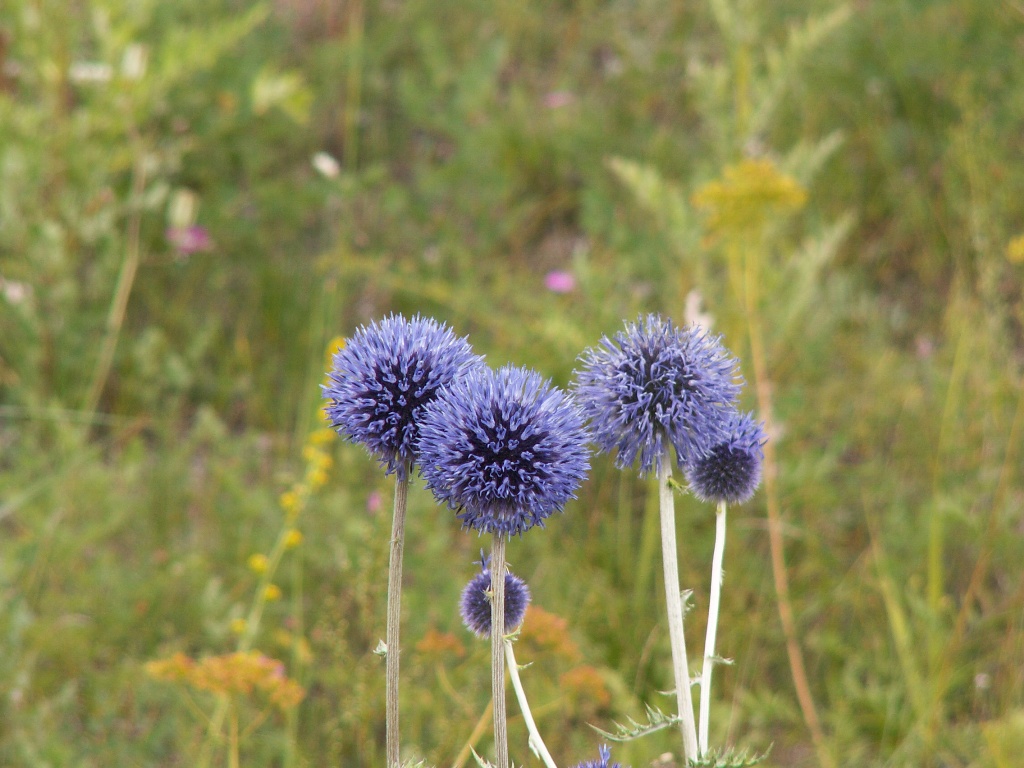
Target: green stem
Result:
[[395, 612], [497, 566], [674, 606], [536, 742], [125, 281], [233, 741], [936, 532], [245, 642], [354, 82], [298, 633], [709, 640]]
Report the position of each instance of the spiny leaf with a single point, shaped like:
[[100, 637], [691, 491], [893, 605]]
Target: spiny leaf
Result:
[[728, 758], [656, 720]]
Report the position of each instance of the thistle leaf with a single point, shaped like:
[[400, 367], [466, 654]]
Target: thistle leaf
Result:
[[656, 720], [728, 758]]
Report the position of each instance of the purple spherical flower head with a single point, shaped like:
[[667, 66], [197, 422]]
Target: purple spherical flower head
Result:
[[606, 754], [731, 471], [475, 605], [384, 376], [656, 381], [504, 448]]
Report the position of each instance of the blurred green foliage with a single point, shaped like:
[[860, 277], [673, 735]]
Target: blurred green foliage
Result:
[[346, 160]]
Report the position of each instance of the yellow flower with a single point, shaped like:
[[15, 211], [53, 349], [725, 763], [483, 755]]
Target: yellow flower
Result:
[[239, 625], [1015, 250], [176, 667], [334, 346], [297, 644], [293, 538], [748, 192], [290, 502], [322, 436], [272, 592], [258, 562], [316, 477]]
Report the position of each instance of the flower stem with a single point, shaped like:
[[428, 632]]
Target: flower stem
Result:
[[395, 612], [233, 740], [535, 740], [246, 639], [674, 605], [709, 640], [498, 650]]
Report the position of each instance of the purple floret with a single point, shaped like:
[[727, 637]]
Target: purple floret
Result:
[[656, 382], [505, 449], [384, 376], [606, 754]]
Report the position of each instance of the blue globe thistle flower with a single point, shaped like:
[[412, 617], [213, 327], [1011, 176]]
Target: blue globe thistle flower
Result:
[[475, 604], [731, 471], [606, 754], [504, 449], [384, 376], [657, 382]]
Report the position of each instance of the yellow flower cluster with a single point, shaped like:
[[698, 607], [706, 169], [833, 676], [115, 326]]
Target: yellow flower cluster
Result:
[[1015, 250], [318, 462], [334, 346], [748, 193], [231, 674]]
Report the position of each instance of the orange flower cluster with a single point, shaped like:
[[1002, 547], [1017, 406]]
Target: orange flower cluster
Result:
[[548, 633], [231, 674], [585, 684], [440, 644]]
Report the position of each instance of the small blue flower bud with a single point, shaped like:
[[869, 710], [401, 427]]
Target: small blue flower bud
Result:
[[731, 471], [475, 605]]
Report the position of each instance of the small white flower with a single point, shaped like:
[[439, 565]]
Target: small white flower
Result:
[[133, 63], [90, 72], [15, 293], [326, 165], [693, 314]]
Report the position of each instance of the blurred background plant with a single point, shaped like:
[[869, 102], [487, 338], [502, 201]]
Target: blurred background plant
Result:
[[196, 197]]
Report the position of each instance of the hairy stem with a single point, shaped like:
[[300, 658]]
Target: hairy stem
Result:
[[536, 742], [674, 605], [498, 650], [709, 640], [395, 613]]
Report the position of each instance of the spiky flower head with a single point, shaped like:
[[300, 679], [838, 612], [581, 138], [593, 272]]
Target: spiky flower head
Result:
[[475, 605], [384, 376], [731, 471], [606, 754], [504, 448], [655, 382]]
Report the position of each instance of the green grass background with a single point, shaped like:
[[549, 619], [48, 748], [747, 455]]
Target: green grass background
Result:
[[154, 406]]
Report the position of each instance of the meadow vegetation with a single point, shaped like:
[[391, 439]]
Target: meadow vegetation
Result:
[[197, 199]]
